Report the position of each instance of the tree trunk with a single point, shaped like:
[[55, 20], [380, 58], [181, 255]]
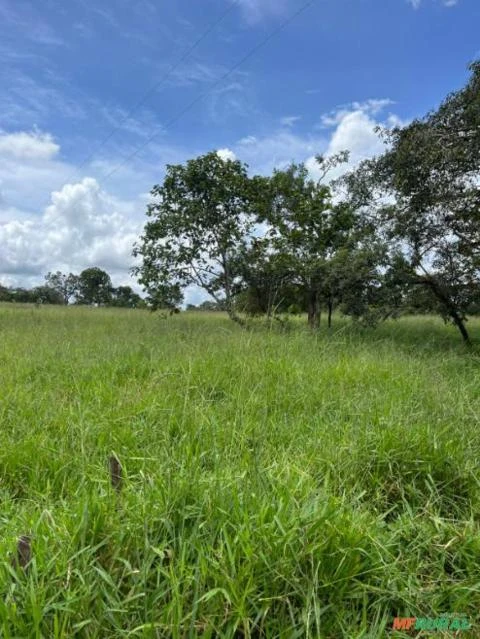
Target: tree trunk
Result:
[[236, 318], [229, 303], [313, 310], [459, 322], [457, 319], [330, 310], [270, 304]]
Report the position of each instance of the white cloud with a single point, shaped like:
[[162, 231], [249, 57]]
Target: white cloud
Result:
[[372, 107], [290, 120], [355, 132], [226, 154], [353, 129], [446, 3], [83, 226], [232, 101], [34, 145], [24, 18], [34, 98], [349, 127], [79, 224], [277, 150], [256, 10], [195, 73]]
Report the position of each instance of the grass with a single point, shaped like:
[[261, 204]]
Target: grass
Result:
[[276, 483]]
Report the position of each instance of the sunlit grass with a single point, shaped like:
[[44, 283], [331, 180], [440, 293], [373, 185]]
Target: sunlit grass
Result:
[[276, 483]]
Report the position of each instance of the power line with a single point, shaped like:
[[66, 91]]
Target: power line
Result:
[[227, 74], [157, 85]]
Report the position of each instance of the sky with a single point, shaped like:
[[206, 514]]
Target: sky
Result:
[[97, 97]]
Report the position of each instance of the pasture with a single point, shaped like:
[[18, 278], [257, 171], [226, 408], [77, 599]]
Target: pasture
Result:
[[274, 483]]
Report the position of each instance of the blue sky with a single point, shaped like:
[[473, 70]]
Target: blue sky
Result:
[[72, 71]]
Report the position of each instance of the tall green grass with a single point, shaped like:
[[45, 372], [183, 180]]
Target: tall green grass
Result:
[[276, 483]]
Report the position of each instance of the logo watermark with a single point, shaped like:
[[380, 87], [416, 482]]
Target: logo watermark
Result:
[[445, 622]]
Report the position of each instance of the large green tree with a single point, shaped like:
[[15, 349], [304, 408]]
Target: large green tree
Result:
[[66, 285], [424, 193], [125, 296], [296, 213], [200, 220], [311, 236], [95, 287]]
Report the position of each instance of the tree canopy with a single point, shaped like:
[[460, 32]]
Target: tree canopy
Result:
[[200, 219], [252, 243], [424, 194]]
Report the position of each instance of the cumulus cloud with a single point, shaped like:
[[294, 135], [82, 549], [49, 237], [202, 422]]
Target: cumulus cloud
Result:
[[82, 226], [353, 129], [226, 154], [277, 149], [77, 225], [349, 127], [356, 132], [33, 145], [372, 107]]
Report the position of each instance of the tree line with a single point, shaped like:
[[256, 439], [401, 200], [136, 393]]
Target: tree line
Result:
[[400, 233], [93, 286]]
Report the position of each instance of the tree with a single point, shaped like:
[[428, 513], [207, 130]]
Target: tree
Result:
[[124, 296], [46, 295], [66, 285], [5, 294], [424, 192], [94, 287], [266, 285], [22, 295], [306, 230], [200, 220], [353, 279]]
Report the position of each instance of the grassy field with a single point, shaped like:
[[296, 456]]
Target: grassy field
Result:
[[276, 484]]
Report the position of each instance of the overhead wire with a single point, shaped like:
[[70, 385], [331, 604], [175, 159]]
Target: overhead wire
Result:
[[154, 88], [199, 97]]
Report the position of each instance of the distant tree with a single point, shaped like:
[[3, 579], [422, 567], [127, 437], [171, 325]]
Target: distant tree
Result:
[[37, 295], [209, 305], [163, 295], [46, 295], [22, 295], [66, 285], [5, 294], [200, 219], [94, 287], [124, 296]]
